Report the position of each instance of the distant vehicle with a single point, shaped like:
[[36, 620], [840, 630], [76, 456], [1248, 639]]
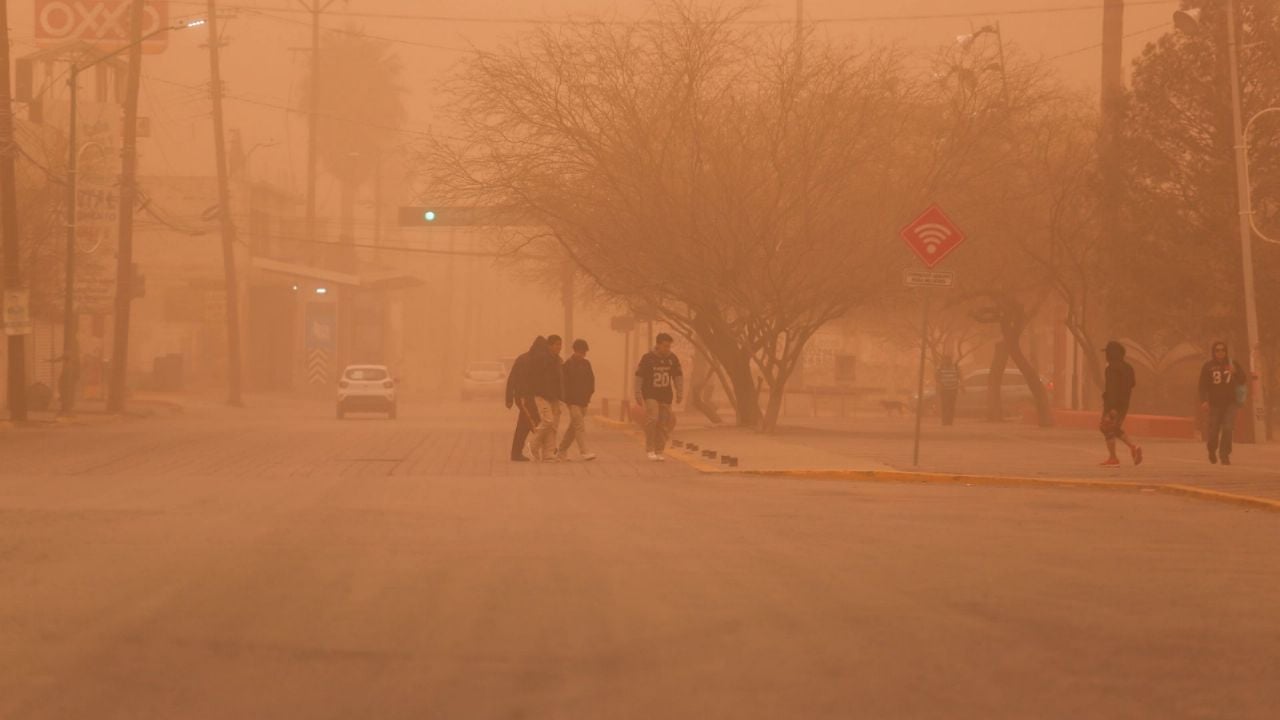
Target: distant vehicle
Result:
[[367, 388], [1015, 396], [484, 379]]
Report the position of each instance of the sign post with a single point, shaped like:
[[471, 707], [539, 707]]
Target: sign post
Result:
[[932, 237]]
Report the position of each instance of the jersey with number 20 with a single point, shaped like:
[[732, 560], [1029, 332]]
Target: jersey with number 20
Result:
[[657, 375]]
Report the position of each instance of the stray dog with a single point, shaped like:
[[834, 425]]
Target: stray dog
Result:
[[893, 406]]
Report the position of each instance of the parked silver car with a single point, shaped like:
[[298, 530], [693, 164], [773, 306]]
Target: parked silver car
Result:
[[1015, 396], [484, 379]]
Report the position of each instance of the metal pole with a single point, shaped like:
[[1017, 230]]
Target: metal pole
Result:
[[225, 220], [313, 114], [626, 375], [118, 388], [1004, 71], [17, 350], [1244, 192], [70, 319], [924, 344]]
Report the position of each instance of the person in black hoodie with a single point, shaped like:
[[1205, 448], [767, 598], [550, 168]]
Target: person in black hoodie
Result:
[[1115, 404], [520, 396], [579, 386], [546, 377], [1222, 389]]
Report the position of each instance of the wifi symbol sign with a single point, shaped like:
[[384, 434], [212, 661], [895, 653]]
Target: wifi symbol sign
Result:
[[932, 236]]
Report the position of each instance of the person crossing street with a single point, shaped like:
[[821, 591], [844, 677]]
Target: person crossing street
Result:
[[659, 382], [547, 386], [519, 395], [579, 386]]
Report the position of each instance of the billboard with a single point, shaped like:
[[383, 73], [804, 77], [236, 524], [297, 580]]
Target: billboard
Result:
[[102, 23]]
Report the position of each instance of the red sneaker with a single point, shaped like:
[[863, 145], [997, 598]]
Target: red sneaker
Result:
[[1110, 462], [1137, 456]]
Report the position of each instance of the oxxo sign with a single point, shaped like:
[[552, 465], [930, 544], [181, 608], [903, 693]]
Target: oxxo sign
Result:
[[102, 23]]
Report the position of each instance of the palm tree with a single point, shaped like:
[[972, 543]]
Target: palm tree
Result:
[[360, 105]]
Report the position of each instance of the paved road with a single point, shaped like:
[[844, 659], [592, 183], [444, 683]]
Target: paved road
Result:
[[276, 563]]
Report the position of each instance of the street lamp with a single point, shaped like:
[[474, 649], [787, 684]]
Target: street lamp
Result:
[[1189, 21], [70, 330], [966, 41]]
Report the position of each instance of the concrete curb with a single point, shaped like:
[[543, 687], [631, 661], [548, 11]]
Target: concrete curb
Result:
[[928, 478]]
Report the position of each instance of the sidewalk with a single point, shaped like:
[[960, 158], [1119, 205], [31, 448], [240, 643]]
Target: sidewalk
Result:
[[94, 412], [872, 444]]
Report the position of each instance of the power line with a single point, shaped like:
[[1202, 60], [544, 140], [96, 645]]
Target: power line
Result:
[[268, 14], [1095, 46], [524, 20], [286, 108]]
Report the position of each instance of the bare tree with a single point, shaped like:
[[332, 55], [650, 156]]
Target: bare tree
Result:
[[692, 166]]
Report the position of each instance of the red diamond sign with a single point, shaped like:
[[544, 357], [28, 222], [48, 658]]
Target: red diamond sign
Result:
[[932, 236]]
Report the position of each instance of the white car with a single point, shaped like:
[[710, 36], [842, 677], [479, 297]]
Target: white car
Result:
[[484, 379], [367, 388]]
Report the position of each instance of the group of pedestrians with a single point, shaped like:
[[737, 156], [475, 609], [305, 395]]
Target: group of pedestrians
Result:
[[1223, 391], [540, 385]]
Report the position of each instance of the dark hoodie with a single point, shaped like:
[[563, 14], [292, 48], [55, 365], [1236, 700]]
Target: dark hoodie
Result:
[[519, 380], [546, 375], [1219, 380], [1119, 380]]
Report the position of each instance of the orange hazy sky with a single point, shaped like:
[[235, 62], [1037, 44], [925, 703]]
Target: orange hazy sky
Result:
[[263, 63]]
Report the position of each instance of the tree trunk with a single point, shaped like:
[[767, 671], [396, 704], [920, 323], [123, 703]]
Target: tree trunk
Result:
[[737, 367], [1013, 344], [999, 360], [1090, 350], [700, 388]]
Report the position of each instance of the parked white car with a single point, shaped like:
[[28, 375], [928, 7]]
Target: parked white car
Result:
[[367, 388]]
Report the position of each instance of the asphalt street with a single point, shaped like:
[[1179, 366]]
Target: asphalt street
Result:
[[276, 563]]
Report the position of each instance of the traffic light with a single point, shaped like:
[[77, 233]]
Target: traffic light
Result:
[[437, 215], [455, 216]]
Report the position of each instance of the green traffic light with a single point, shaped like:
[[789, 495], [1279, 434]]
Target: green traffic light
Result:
[[429, 216]]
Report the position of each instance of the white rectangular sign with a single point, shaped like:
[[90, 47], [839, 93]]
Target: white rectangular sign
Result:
[[17, 312], [928, 278]]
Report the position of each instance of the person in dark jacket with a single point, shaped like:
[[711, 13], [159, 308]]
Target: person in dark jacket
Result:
[[579, 386], [1115, 404], [546, 375], [520, 396], [1223, 388], [948, 384]]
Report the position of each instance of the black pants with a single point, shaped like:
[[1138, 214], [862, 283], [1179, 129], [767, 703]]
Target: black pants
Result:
[[1222, 422], [525, 422], [948, 398]]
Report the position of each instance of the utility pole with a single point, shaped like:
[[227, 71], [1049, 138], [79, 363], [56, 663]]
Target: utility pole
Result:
[[316, 8], [17, 381], [1112, 119], [128, 195], [225, 221], [1112, 101], [70, 319]]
